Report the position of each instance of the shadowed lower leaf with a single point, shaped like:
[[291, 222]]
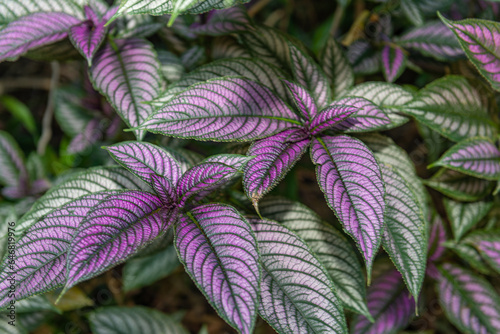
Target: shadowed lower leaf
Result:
[[41, 254], [219, 251], [487, 242], [389, 304], [463, 216], [331, 248], [296, 293]]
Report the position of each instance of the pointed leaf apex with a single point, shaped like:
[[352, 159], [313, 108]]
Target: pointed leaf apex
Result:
[[63, 292]]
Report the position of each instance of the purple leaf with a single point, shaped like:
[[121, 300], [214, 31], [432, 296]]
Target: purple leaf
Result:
[[269, 45], [393, 62], [464, 216], [32, 31], [41, 252], [88, 35], [333, 116], [274, 157], [433, 39], [469, 301], [223, 109], [389, 304], [223, 22], [164, 189], [127, 72], [113, 231], [15, 9], [146, 160], [70, 187], [218, 249], [350, 178], [453, 108], [405, 237], [480, 40], [309, 75], [210, 174], [303, 100], [337, 68], [478, 157], [332, 249], [253, 69], [459, 186], [368, 117], [487, 242], [297, 295]]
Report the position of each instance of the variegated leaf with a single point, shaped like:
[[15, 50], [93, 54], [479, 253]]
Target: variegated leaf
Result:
[[274, 157], [487, 242], [137, 26], [228, 47], [132, 320], [225, 109], [296, 295], [480, 41], [127, 72], [459, 186], [390, 305], [469, 301], [144, 271], [219, 250], [90, 181], [432, 39], [464, 216], [212, 173], [269, 45], [368, 116], [386, 151], [436, 245], [308, 74], [393, 62], [478, 157], [253, 69], [337, 116], [453, 108], [11, 161], [330, 246], [114, 230], [40, 261], [469, 255], [387, 96], [306, 106], [405, 237], [364, 59], [350, 179], [145, 160], [161, 7], [223, 22], [14, 9], [33, 31], [337, 68]]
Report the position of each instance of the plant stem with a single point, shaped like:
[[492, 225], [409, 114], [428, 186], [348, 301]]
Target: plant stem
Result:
[[49, 110]]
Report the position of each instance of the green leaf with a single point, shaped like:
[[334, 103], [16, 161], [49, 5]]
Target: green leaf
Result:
[[464, 216], [330, 246], [453, 108], [20, 111], [470, 255], [11, 161], [132, 320], [268, 44], [337, 68], [140, 272]]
